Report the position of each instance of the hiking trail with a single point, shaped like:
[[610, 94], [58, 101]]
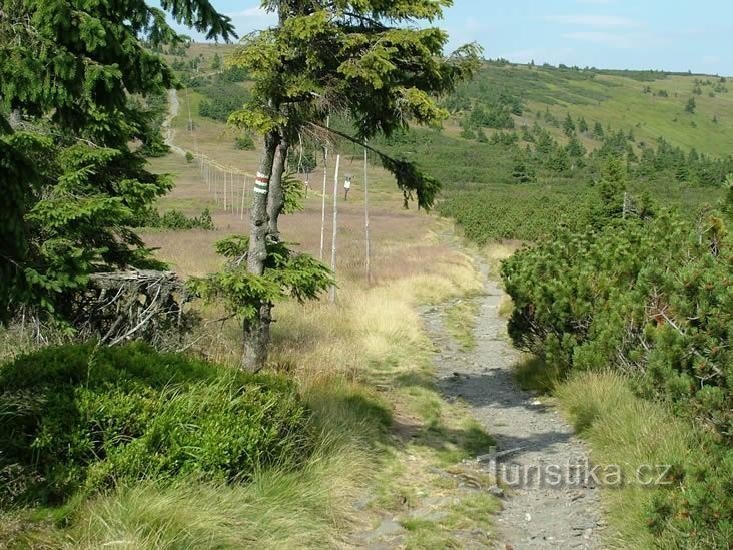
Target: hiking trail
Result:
[[531, 436]]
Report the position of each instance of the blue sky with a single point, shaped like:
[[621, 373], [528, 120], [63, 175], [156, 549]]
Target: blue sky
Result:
[[677, 35]]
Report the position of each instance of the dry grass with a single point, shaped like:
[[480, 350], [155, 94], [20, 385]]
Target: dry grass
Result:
[[495, 253]]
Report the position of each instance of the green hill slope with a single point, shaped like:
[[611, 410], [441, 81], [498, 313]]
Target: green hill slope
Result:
[[651, 104]]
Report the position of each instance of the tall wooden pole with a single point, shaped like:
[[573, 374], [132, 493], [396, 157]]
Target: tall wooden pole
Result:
[[224, 183], [367, 242], [323, 193], [244, 190], [332, 291]]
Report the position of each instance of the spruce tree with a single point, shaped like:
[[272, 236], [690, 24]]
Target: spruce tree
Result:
[[369, 60], [582, 125], [598, 131], [568, 126], [74, 82], [522, 171], [612, 188], [575, 148], [216, 62]]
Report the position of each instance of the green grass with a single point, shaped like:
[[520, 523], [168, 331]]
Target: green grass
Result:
[[533, 374], [310, 506], [273, 511], [471, 513], [622, 430]]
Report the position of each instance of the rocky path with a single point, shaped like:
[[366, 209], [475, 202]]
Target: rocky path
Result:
[[550, 499]]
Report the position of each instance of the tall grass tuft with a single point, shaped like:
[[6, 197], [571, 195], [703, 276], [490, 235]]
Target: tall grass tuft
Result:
[[276, 509], [626, 431]]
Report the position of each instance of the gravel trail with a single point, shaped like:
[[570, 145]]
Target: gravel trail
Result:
[[535, 445]]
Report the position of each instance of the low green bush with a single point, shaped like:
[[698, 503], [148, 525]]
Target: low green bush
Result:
[[244, 142], [82, 418], [221, 98], [652, 298], [175, 219]]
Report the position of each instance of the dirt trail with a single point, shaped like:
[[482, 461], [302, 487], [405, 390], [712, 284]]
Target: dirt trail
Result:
[[531, 437], [167, 126]]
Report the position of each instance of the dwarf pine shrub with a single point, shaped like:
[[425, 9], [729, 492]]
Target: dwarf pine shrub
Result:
[[652, 298]]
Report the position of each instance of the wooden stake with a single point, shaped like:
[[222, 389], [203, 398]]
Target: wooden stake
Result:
[[368, 252], [224, 183], [323, 192], [332, 291], [244, 190]]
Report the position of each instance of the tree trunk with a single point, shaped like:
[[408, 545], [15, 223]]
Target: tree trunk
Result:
[[257, 339], [256, 332], [275, 198]]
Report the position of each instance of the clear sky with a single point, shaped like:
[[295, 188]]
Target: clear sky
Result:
[[677, 35]]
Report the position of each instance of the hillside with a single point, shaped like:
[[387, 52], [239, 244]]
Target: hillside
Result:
[[648, 103], [651, 104]]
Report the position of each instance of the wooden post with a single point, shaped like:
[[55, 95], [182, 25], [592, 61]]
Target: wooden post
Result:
[[332, 291], [188, 106], [231, 188], [244, 190], [367, 243], [323, 192], [224, 183]]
